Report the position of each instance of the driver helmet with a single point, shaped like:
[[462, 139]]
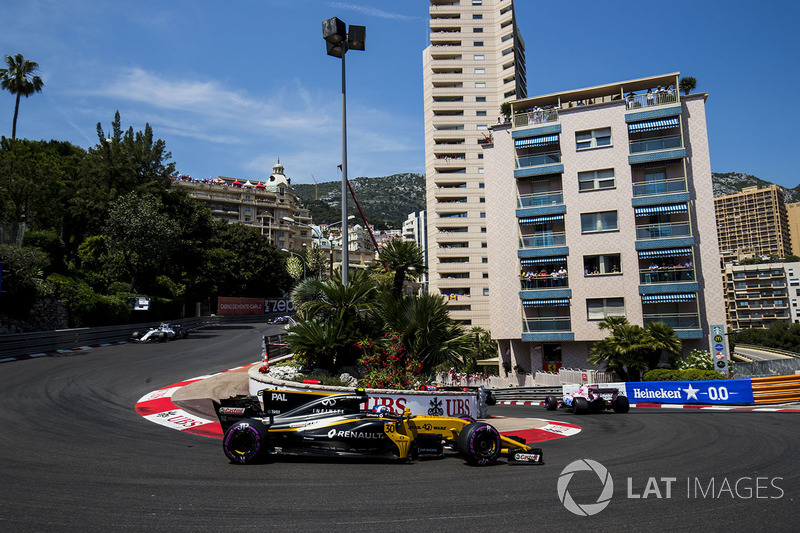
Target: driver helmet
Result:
[[381, 409]]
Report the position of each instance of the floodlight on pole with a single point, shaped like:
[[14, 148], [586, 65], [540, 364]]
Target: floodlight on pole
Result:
[[337, 42]]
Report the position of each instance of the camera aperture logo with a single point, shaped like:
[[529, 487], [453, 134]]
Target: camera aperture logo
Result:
[[587, 509]]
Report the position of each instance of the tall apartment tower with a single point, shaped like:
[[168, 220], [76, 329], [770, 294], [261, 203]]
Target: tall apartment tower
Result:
[[752, 223], [600, 205], [474, 63]]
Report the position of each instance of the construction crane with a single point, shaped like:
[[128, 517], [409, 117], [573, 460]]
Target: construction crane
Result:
[[316, 190]]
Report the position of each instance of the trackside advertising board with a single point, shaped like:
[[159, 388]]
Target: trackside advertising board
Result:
[[228, 306], [707, 392], [722, 391]]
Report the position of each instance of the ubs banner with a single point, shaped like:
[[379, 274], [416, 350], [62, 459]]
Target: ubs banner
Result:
[[227, 306]]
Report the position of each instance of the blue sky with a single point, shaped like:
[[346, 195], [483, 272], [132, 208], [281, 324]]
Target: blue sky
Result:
[[233, 86]]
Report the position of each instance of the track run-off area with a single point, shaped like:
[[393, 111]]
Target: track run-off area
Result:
[[75, 455]]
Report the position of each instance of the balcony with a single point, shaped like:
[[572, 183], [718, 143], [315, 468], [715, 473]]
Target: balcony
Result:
[[536, 160], [535, 117], [675, 320], [534, 281], [649, 276], [540, 199], [542, 240], [640, 101], [663, 231], [538, 325], [656, 144], [663, 186]]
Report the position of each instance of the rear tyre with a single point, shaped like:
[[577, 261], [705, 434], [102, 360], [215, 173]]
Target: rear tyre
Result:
[[465, 417], [479, 444], [245, 441], [580, 406], [621, 404], [550, 403]]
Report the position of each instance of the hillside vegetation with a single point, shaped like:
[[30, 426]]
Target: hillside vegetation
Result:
[[386, 200]]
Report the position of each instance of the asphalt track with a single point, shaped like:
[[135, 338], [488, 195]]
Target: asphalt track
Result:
[[75, 456]]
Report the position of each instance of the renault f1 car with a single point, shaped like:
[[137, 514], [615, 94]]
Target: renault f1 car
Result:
[[164, 332], [590, 398], [330, 424]]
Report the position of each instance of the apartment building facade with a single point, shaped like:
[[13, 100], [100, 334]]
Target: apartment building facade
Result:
[[752, 223], [270, 206], [758, 295], [600, 205], [475, 62]]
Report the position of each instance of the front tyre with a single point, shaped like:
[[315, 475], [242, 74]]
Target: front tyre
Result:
[[621, 405], [245, 441], [479, 443]]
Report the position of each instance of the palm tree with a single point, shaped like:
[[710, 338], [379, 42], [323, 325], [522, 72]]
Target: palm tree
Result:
[[18, 79], [687, 84], [622, 351], [406, 259], [660, 337]]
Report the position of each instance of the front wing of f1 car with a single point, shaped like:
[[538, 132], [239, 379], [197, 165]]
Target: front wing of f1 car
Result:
[[331, 424]]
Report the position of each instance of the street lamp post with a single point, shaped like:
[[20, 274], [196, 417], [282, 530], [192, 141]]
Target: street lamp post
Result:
[[338, 41], [346, 229]]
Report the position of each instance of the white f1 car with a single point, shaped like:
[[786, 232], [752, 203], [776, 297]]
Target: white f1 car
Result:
[[164, 332]]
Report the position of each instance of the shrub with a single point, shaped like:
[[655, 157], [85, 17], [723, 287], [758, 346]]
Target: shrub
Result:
[[698, 359], [387, 365], [691, 374], [87, 308]]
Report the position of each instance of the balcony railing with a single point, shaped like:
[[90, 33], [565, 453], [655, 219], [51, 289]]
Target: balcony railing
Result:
[[539, 199], [652, 145], [532, 325], [639, 101], [666, 275], [675, 320], [659, 187], [663, 231], [539, 116], [549, 281], [549, 158], [543, 240]]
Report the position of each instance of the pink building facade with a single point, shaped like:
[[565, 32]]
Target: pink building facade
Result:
[[599, 203]]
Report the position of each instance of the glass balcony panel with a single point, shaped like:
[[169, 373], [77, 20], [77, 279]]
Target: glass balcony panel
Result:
[[655, 98], [666, 275], [652, 145], [663, 231], [665, 186], [543, 240], [676, 320], [549, 158], [549, 281], [533, 325], [535, 116], [539, 199]]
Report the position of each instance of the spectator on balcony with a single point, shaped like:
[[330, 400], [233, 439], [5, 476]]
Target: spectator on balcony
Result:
[[614, 269], [650, 100], [561, 276]]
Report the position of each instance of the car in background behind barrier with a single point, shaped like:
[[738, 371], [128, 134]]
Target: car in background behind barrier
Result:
[[590, 398], [164, 332]]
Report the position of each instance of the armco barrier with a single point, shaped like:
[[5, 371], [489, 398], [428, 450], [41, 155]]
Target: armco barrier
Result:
[[776, 389]]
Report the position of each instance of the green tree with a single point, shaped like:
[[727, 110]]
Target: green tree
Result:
[[687, 84], [145, 236], [19, 78], [659, 338], [23, 278], [406, 259]]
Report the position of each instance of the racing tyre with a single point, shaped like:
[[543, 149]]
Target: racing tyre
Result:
[[135, 336], [580, 405], [621, 404], [162, 337], [465, 417], [244, 441], [479, 444], [550, 403]]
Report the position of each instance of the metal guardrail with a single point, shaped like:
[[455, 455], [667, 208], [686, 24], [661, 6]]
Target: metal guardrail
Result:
[[16, 344], [778, 351], [776, 389]]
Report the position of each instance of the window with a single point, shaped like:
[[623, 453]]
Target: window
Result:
[[480, 84], [480, 113], [477, 30], [484, 245], [485, 275], [484, 259], [480, 71], [478, 57], [480, 98], [601, 264], [481, 185], [477, 17], [482, 200], [594, 222], [486, 292], [477, 2], [483, 215], [596, 179], [592, 138], [454, 259], [483, 229], [478, 43], [483, 127], [600, 308], [481, 170], [480, 156]]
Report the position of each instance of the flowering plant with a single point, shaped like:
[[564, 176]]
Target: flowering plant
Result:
[[386, 363]]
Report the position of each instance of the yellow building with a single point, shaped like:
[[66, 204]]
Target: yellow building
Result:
[[271, 206]]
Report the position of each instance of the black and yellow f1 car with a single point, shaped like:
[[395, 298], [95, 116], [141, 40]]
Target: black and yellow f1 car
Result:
[[330, 424]]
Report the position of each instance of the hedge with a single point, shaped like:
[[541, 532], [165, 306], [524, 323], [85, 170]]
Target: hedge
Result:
[[690, 374]]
